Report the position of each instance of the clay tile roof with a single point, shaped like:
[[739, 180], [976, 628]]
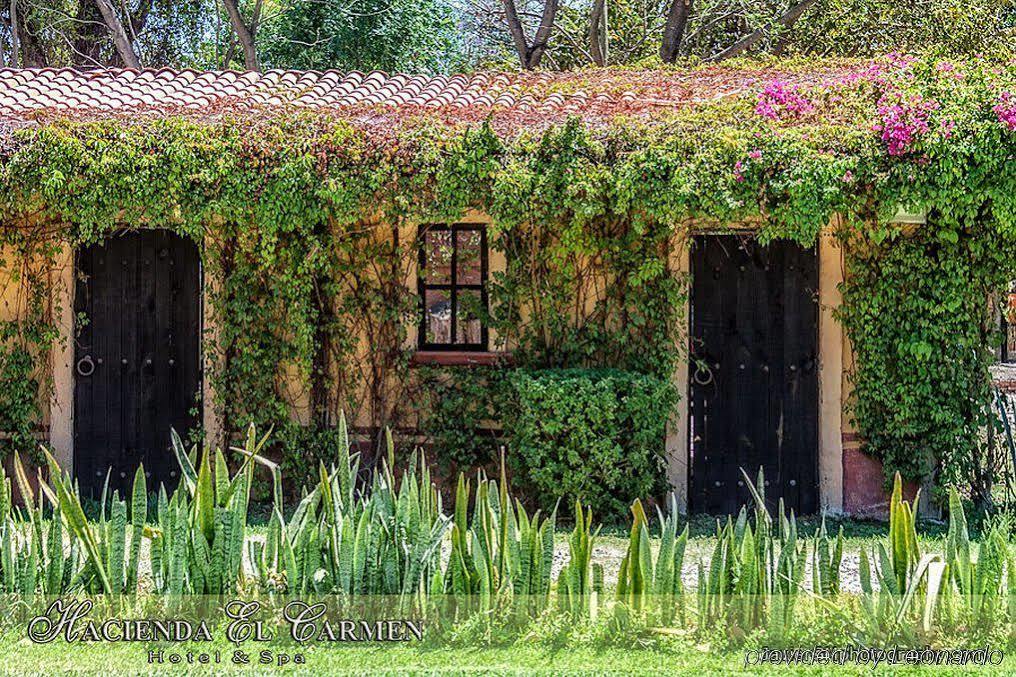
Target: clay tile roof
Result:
[[27, 93]]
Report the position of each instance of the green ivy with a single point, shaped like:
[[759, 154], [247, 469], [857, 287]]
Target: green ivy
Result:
[[462, 415], [922, 331]]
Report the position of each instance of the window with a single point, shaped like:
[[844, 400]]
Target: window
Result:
[[1008, 352], [452, 284]]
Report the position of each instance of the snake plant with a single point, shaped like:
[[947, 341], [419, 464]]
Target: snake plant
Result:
[[580, 583]]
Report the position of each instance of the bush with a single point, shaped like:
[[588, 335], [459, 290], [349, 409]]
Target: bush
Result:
[[457, 416], [595, 435], [300, 450]]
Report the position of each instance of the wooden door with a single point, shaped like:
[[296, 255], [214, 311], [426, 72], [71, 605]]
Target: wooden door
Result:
[[137, 357], [753, 376]]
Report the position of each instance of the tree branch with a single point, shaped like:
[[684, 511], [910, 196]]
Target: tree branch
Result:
[[543, 32], [123, 45], [788, 19], [15, 35], [518, 35], [529, 56]]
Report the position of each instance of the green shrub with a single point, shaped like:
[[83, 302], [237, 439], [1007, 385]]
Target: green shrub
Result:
[[300, 451], [458, 417], [592, 435]]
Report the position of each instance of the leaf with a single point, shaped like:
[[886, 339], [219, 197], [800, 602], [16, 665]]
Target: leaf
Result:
[[187, 471]]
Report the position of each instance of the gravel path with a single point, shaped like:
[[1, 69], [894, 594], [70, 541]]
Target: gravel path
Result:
[[610, 550]]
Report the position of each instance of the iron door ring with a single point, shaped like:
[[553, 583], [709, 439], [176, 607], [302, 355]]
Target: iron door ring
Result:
[[701, 369], [85, 366]]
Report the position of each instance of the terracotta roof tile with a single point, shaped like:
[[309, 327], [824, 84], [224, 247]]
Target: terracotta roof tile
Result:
[[26, 93]]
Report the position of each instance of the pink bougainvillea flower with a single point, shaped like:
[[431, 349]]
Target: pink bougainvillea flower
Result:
[[780, 99], [903, 122], [1005, 110], [738, 169], [755, 154], [949, 68]]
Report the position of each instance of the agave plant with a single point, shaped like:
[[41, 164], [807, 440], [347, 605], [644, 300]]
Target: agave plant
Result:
[[642, 580], [109, 566], [31, 561], [386, 542], [788, 575], [502, 555], [122, 557], [755, 574], [715, 582], [634, 579], [170, 543], [530, 556], [197, 545], [827, 557]]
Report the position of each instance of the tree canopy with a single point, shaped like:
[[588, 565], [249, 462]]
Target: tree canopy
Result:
[[456, 35]]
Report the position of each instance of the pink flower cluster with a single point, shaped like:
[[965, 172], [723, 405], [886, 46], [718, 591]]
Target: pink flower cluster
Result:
[[779, 97], [739, 166], [903, 122], [1005, 109]]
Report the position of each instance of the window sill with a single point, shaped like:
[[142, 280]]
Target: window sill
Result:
[[458, 358]]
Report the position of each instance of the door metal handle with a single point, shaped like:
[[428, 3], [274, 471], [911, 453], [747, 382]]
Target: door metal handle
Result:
[[85, 366]]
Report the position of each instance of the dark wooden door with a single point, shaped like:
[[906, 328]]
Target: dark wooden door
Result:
[[753, 376], [137, 356]]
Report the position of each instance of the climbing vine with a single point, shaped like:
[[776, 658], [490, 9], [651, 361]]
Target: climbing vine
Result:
[[307, 223], [922, 333]]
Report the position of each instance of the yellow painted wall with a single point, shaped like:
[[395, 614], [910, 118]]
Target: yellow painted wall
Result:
[[835, 358]]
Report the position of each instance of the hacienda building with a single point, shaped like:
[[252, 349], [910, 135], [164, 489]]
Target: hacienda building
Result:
[[764, 381]]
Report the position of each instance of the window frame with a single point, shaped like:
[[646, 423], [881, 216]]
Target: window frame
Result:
[[1004, 355], [452, 287]]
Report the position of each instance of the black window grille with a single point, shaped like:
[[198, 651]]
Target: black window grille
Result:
[[452, 282]]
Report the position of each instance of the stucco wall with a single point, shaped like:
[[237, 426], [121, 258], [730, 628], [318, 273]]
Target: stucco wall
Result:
[[54, 403], [840, 472]]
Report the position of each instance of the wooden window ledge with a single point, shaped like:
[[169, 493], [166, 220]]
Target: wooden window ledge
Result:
[[458, 358]]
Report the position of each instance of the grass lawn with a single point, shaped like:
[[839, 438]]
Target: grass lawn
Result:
[[667, 657]]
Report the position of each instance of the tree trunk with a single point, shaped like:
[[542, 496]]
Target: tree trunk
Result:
[[529, 56], [673, 30], [15, 39], [28, 52], [123, 44], [788, 19], [543, 33], [595, 26], [518, 36], [245, 34]]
